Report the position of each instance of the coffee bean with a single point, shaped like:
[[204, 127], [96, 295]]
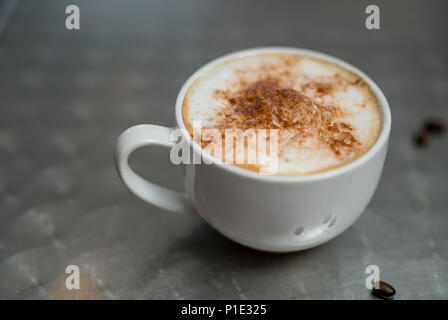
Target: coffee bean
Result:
[[434, 126], [383, 290], [421, 139]]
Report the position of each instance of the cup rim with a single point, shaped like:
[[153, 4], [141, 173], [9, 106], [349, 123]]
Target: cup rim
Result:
[[374, 149]]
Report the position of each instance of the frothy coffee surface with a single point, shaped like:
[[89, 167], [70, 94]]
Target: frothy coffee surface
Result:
[[325, 116]]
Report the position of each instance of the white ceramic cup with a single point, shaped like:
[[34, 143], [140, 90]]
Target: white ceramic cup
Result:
[[269, 213]]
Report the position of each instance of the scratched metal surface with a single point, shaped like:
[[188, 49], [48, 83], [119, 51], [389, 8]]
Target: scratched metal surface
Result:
[[66, 95]]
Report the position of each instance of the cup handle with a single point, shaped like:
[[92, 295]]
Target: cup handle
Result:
[[145, 135]]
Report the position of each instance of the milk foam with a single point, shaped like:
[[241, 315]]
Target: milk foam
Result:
[[322, 82]]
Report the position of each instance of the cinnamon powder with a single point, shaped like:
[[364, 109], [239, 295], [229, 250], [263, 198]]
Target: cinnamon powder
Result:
[[268, 104]]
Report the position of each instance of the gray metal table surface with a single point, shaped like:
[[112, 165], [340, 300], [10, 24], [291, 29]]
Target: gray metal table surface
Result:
[[65, 96]]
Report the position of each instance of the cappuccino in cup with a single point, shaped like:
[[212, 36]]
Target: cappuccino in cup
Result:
[[314, 114], [320, 115]]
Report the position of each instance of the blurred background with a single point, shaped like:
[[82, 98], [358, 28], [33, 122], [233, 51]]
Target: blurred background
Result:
[[66, 95]]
